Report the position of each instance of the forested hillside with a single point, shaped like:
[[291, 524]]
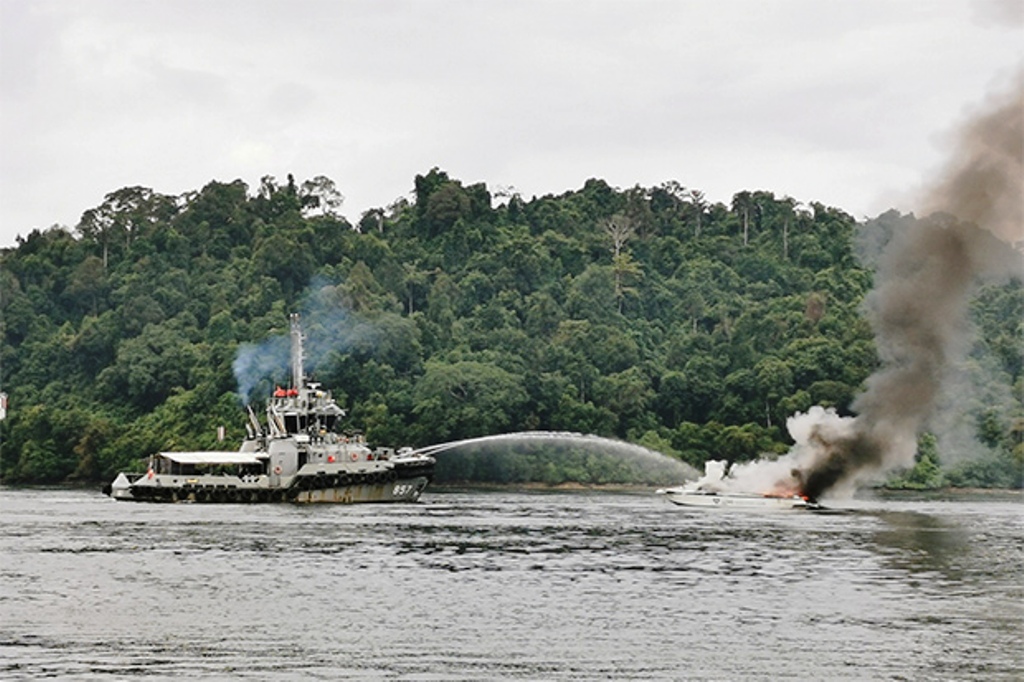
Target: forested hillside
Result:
[[647, 314]]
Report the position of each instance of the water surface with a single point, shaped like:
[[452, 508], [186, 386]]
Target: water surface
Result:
[[470, 585]]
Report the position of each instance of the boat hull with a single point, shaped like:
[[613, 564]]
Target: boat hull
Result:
[[338, 488], [405, 490], [690, 498]]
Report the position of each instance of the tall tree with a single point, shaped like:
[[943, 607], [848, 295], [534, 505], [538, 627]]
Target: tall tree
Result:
[[320, 196], [699, 205], [743, 206]]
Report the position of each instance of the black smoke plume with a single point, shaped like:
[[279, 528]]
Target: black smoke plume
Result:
[[923, 286], [926, 275]]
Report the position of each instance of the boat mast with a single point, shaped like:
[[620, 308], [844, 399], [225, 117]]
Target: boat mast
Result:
[[296, 351]]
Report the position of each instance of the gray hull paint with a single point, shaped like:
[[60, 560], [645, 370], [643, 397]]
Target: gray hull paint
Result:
[[403, 490], [398, 491]]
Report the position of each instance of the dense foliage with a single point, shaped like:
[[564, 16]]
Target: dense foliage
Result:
[[649, 315]]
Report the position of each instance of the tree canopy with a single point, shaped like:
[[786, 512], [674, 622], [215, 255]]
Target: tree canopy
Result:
[[649, 315]]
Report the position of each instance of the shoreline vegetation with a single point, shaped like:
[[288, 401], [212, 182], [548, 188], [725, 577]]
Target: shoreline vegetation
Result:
[[647, 315]]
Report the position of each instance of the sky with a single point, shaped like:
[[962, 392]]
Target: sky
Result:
[[851, 103]]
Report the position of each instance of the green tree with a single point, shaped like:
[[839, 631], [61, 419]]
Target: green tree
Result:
[[926, 473], [647, 314], [466, 399], [743, 205]]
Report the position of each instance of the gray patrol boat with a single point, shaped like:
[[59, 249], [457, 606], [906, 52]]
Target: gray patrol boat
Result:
[[297, 457]]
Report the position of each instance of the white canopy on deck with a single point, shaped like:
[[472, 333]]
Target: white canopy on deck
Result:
[[212, 457]]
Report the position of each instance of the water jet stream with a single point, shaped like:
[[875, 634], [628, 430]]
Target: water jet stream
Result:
[[653, 465]]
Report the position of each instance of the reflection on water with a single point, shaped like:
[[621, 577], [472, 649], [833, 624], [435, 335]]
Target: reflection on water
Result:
[[922, 543], [506, 585]]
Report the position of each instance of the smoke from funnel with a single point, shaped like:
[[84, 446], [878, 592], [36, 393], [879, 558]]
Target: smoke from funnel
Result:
[[329, 328], [258, 362]]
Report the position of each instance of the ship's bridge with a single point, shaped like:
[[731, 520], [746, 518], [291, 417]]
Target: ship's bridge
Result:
[[302, 411]]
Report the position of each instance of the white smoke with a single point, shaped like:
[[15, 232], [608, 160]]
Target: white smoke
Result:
[[781, 476], [261, 365], [329, 328]]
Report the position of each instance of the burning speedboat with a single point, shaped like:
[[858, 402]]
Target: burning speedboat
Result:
[[714, 490], [691, 497], [298, 456]]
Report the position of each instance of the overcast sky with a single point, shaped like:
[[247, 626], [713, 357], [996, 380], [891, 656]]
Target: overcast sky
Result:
[[848, 102]]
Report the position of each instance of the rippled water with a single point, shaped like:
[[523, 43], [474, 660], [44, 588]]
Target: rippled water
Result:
[[509, 585]]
